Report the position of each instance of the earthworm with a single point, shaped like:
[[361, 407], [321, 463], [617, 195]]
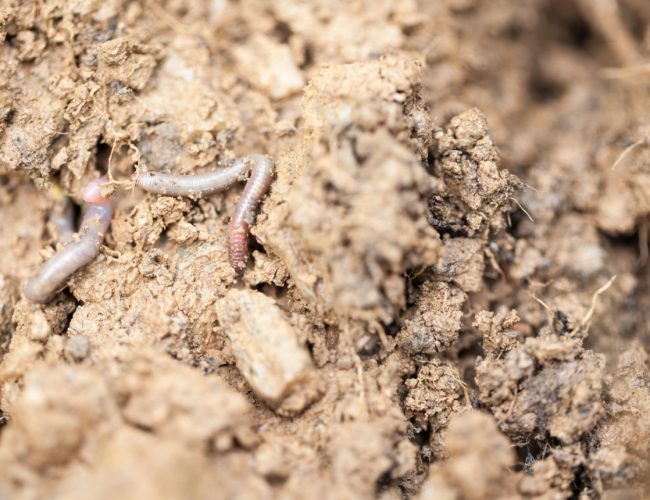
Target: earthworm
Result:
[[245, 211], [193, 186], [55, 272], [199, 185]]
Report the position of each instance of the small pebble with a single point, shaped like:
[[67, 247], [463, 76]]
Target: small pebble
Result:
[[77, 348], [267, 351], [40, 329]]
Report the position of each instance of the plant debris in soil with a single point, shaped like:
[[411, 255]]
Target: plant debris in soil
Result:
[[448, 290]]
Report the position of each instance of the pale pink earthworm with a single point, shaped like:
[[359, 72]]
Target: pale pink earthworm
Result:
[[193, 186], [55, 272], [196, 186]]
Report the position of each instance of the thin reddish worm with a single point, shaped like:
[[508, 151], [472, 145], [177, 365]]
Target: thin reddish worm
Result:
[[54, 273], [199, 185]]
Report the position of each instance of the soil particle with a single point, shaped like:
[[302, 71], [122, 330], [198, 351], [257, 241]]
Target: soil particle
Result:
[[126, 62], [544, 478], [624, 439], [7, 294], [39, 444], [462, 262], [433, 397], [174, 470], [476, 189], [527, 259], [435, 320], [496, 328], [471, 437], [200, 409], [40, 329], [545, 385], [113, 399], [362, 452]]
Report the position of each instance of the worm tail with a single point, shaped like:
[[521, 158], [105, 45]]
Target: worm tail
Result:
[[238, 244], [245, 211]]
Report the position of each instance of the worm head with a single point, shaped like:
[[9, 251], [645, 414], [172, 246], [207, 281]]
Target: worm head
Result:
[[93, 191]]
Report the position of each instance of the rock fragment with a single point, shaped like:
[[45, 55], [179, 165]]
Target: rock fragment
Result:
[[267, 351]]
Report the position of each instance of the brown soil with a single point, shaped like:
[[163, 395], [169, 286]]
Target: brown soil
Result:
[[429, 308]]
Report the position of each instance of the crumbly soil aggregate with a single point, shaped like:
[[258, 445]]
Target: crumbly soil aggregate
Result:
[[447, 289]]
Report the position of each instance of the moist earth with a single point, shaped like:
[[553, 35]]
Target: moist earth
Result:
[[447, 289]]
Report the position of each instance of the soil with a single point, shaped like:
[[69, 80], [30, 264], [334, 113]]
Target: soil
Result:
[[446, 297]]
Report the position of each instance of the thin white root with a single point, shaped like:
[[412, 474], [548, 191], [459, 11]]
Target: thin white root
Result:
[[530, 217], [594, 300]]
